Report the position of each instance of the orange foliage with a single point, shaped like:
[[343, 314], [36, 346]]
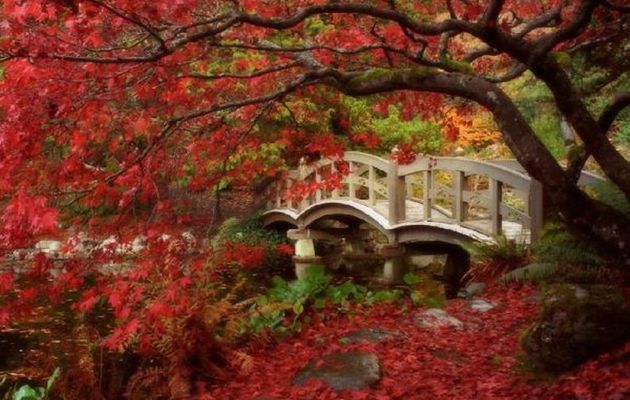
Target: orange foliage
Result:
[[476, 128]]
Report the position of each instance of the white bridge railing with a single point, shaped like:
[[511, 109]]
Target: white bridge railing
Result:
[[485, 197]]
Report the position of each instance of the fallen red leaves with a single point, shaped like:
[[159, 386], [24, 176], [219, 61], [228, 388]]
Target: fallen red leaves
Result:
[[478, 362]]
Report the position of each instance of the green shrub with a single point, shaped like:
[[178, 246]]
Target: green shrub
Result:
[[27, 392], [494, 259], [558, 245], [285, 304], [563, 256], [251, 232], [609, 193]]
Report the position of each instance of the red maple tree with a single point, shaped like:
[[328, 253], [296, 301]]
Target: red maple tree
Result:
[[106, 106]]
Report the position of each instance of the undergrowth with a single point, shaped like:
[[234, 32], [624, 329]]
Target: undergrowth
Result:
[[285, 306]]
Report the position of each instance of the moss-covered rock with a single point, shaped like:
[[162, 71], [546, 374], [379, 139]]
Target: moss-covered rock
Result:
[[575, 324]]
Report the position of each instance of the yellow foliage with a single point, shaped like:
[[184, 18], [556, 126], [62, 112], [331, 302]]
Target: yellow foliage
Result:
[[477, 130]]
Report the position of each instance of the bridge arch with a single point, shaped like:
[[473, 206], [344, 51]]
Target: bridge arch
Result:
[[432, 200]]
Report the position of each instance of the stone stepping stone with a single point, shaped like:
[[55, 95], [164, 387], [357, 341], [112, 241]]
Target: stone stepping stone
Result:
[[351, 370], [372, 335], [481, 305], [471, 290], [437, 318]]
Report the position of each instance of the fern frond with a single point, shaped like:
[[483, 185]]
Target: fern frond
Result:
[[242, 362], [530, 273], [559, 245], [146, 382]]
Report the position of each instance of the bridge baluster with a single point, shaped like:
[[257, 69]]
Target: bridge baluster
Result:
[[351, 178], [496, 197], [371, 183], [278, 188], [396, 189], [520, 214], [427, 195], [303, 175], [318, 192], [459, 208], [335, 192]]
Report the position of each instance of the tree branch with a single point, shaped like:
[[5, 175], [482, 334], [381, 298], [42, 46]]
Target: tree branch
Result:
[[612, 110], [254, 74], [616, 7], [606, 119], [518, 70], [132, 19]]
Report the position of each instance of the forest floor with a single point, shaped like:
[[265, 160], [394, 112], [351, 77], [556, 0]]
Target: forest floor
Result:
[[479, 360]]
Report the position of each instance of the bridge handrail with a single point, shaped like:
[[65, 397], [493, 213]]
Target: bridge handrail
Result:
[[506, 175], [363, 168]]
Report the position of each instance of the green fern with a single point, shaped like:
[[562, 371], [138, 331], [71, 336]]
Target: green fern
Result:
[[502, 252], [532, 273], [609, 193], [560, 246]]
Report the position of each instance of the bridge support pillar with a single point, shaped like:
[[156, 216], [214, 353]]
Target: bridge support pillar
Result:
[[353, 247], [456, 266], [394, 267], [304, 256]]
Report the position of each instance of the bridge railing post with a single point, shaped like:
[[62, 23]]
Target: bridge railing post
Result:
[[318, 181], [427, 195], [496, 197], [535, 209], [278, 189], [396, 189], [371, 184], [335, 192], [459, 206], [350, 180], [302, 175]]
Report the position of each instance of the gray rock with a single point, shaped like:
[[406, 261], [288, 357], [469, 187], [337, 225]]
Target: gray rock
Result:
[[472, 289], [48, 246], [575, 325], [437, 318], [342, 371], [138, 244], [374, 335], [481, 305]]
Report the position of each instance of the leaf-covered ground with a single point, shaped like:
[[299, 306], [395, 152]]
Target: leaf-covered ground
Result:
[[480, 361]]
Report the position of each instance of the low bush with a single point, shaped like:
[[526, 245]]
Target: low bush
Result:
[[283, 307], [491, 260]]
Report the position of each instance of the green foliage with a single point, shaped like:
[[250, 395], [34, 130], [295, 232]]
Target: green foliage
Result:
[[27, 392], [426, 136], [314, 26], [492, 260], [291, 299], [532, 272], [501, 253], [411, 279], [382, 296], [562, 256], [547, 127], [423, 291], [575, 323], [558, 245], [250, 232], [610, 194]]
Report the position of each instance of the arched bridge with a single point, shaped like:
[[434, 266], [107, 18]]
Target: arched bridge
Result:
[[430, 206], [433, 199]]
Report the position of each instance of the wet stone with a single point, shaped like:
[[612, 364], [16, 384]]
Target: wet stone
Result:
[[437, 318], [472, 289], [481, 305], [350, 370], [373, 335]]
